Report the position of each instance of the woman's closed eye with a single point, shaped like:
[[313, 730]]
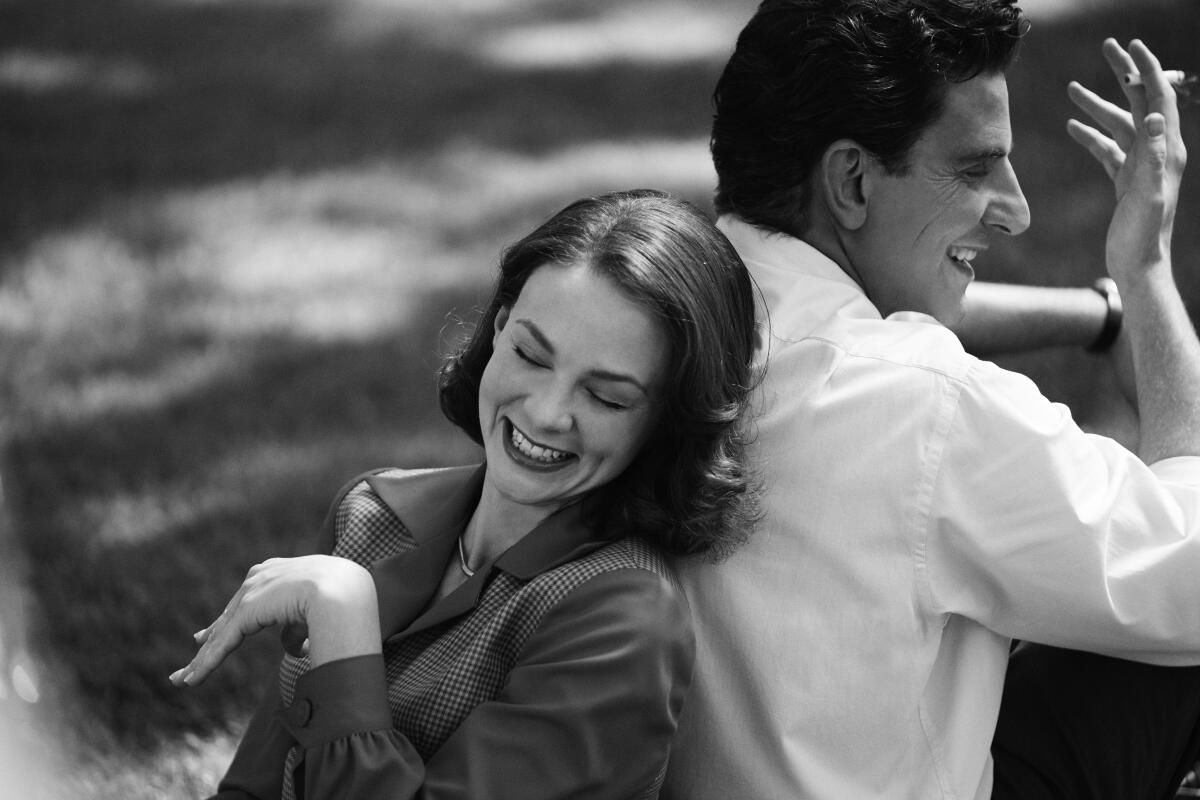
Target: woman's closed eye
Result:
[[605, 398], [609, 403], [528, 359]]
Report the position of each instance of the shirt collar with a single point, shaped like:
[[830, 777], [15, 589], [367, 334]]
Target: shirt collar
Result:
[[799, 287]]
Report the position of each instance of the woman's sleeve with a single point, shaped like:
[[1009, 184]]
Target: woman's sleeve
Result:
[[256, 772], [588, 711], [339, 728], [591, 705]]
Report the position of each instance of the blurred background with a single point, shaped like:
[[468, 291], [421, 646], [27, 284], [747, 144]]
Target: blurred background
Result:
[[235, 236]]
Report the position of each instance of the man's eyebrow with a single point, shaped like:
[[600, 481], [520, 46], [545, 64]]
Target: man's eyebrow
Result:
[[602, 374], [985, 154]]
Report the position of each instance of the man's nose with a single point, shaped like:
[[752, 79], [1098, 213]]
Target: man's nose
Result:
[[1008, 212]]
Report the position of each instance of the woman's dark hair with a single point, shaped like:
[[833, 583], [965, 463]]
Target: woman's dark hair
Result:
[[806, 73], [689, 490]]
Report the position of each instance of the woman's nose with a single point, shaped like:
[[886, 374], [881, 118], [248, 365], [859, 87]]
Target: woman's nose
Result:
[[549, 408]]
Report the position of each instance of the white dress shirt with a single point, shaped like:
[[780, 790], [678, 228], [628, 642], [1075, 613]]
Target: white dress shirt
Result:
[[922, 508]]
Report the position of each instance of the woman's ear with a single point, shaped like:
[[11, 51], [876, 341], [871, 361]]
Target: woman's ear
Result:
[[501, 321], [841, 182]]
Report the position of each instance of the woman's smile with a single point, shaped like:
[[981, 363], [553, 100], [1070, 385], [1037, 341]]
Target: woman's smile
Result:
[[567, 399], [528, 453]]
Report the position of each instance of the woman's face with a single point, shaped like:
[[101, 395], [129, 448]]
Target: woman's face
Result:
[[571, 392]]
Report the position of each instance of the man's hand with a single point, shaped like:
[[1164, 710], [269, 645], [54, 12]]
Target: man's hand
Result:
[[1144, 155]]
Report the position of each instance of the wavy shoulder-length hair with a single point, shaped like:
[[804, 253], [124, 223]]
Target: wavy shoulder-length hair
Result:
[[689, 490]]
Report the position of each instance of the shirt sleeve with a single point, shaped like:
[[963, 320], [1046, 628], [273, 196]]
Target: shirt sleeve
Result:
[[1040, 531]]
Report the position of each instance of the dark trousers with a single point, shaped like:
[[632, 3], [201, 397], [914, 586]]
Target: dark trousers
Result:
[[1079, 725]]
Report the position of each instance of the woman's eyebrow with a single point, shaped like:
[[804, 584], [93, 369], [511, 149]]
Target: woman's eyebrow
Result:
[[620, 377], [537, 334], [602, 374]]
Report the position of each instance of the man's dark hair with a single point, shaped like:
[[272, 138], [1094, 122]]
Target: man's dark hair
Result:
[[689, 490], [806, 73]]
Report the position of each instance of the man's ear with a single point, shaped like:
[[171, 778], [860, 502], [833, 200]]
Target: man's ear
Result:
[[841, 182]]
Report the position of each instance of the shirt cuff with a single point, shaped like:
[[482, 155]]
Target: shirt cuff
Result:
[[338, 699]]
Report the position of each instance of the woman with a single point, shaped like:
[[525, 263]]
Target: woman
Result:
[[511, 630]]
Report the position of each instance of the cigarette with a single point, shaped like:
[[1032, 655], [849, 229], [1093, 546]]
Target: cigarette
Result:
[[1176, 77]]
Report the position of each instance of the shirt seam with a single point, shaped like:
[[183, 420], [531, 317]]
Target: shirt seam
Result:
[[919, 532], [931, 368]]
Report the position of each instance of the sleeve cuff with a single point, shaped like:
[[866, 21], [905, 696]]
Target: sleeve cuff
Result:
[[338, 699]]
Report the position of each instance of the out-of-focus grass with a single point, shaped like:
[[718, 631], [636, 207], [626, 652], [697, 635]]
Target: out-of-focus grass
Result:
[[230, 237]]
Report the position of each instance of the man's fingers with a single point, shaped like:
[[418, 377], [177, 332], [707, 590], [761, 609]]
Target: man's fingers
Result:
[[1160, 95], [1109, 116], [1102, 148], [1122, 63]]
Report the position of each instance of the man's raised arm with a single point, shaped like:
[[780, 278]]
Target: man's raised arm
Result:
[[1144, 155]]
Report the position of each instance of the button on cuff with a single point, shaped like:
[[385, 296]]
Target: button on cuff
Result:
[[339, 699], [300, 712]]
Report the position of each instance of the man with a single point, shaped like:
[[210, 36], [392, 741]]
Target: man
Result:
[[923, 508]]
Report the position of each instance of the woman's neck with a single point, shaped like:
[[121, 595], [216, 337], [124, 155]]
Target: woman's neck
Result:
[[497, 524]]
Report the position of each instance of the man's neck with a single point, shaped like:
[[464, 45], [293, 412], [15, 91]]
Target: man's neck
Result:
[[827, 240]]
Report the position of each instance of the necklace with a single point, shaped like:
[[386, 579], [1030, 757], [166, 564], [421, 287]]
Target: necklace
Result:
[[462, 560]]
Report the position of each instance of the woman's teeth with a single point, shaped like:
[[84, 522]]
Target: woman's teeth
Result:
[[536, 452]]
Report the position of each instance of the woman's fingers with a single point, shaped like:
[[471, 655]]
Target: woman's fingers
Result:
[[219, 640], [295, 640], [244, 615]]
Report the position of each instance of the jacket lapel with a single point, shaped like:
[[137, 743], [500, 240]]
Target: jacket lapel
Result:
[[433, 505]]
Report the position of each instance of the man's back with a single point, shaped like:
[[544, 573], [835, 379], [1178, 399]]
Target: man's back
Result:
[[856, 646]]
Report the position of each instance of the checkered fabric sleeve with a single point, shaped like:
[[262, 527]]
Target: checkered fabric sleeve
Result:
[[366, 530]]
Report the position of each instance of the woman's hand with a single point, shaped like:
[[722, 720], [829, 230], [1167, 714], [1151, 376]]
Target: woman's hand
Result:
[[327, 599]]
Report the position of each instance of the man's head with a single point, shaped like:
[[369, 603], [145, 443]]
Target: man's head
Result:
[[840, 121], [806, 73]]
